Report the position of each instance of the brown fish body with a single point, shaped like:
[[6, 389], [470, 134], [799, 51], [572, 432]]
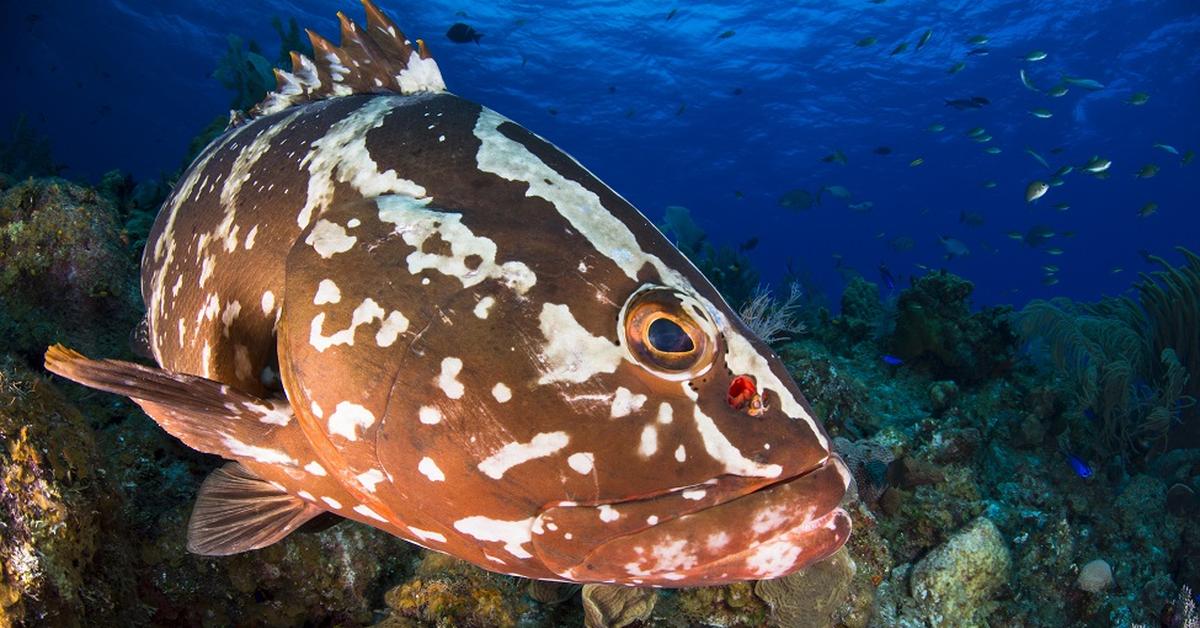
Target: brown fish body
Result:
[[409, 311]]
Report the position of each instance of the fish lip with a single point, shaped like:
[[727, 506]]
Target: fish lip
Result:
[[752, 485], [797, 519]]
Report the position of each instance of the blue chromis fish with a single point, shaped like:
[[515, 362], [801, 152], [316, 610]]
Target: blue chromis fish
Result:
[[1079, 465], [383, 301], [892, 360]]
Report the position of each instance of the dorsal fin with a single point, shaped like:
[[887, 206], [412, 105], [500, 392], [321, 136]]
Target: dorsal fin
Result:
[[379, 59]]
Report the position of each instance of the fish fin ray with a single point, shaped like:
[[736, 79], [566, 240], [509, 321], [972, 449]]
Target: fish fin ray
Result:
[[372, 60], [202, 413], [237, 511]]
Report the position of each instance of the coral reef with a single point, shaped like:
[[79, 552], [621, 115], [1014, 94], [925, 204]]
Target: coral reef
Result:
[[1130, 366], [335, 576], [446, 591], [862, 311], [969, 509], [729, 605], [614, 607], [936, 330], [137, 205], [65, 275], [810, 597], [59, 540]]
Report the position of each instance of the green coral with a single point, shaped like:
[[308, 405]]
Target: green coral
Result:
[[137, 205], [1170, 300], [729, 605], [862, 311], [936, 330]]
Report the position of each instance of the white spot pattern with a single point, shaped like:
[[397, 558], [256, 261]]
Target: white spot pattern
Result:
[[571, 353], [513, 454], [347, 417], [448, 379], [426, 535], [514, 534], [429, 469], [368, 479], [582, 462], [429, 415], [315, 468], [366, 511], [415, 224], [648, 444], [327, 292], [626, 402]]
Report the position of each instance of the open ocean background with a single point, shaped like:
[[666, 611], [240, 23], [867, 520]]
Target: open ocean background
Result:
[[723, 108]]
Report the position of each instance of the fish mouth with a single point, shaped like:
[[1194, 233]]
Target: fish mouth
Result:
[[727, 529]]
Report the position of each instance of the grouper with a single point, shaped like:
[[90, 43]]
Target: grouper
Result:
[[382, 301]]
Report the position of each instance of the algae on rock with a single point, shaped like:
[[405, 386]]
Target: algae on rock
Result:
[[60, 547], [954, 585], [64, 274]]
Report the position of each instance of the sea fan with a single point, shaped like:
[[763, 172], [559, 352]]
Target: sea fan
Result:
[[773, 320]]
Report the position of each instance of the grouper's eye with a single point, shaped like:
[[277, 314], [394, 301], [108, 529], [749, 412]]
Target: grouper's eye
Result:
[[666, 336], [668, 333]]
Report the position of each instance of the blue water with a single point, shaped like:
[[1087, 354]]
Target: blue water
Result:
[[670, 113]]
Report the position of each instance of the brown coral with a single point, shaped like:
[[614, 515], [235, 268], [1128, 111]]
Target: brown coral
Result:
[[446, 591], [607, 606], [809, 597]]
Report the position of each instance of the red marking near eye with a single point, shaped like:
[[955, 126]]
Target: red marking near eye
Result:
[[741, 391]]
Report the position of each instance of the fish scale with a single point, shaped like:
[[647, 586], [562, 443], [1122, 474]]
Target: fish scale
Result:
[[462, 319]]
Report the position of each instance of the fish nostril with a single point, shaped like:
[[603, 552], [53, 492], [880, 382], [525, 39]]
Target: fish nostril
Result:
[[742, 391]]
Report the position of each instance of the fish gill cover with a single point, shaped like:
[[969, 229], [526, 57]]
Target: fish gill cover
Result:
[[932, 168]]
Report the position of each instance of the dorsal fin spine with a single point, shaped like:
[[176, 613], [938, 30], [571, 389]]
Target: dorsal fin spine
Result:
[[382, 61]]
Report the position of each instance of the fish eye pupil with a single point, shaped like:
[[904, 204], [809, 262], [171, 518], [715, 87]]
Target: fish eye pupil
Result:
[[667, 336]]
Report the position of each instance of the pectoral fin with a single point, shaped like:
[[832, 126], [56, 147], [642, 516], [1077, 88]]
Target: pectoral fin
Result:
[[236, 511], [208, 416]]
